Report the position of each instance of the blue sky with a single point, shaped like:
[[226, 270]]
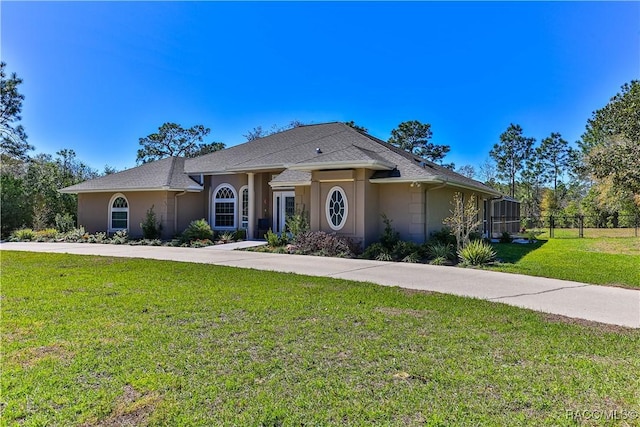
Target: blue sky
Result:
[[99, 75]]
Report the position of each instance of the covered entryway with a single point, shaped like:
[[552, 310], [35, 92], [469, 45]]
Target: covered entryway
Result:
[[284, 206]]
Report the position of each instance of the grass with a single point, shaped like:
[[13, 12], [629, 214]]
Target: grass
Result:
[[99, 341], [601, 261]]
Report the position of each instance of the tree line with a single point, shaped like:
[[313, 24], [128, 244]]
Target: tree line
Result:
[[598, 176]]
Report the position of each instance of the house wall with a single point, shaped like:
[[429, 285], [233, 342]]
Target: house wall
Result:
[[438, 202], [93, 211], [190, 207], [403, 204]]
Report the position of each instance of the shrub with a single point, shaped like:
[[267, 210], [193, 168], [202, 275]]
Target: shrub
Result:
[[197, 230], [389, 237], [120, 238], [23, 235], [46, 234], [476, 252], [200, 243], [384, 256], [444, 236], [227, 237], [97, 238], [438, 261], [241, 234], [373, 250], [151, 228], [403, 249], [297, 224], [324, 244], [440, 250], [276, 241], [76, 235], [413, 258], [64, 223], [505, 237]]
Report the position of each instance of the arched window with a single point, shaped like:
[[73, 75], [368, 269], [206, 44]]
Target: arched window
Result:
[[224, 207], [244, 207], [118, 213], [336, 208]]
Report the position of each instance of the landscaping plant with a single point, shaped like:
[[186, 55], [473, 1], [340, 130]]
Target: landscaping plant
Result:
[[151, 228], [198, 229], [464, 219], [477, 252]]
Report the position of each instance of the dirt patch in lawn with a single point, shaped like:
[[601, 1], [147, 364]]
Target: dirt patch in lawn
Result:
[[132, 409]]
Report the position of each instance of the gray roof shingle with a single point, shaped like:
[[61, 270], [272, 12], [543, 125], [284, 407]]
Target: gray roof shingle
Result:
[[338, 143], [297, 151], [165, 174]]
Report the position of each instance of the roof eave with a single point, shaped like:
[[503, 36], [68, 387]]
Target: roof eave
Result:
[[122, 190], [370, 164], [434, 180], [279, 184]]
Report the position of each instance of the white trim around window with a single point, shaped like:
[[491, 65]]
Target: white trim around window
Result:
[[224, 203], [118, 213], [336, 208], [243, 212]]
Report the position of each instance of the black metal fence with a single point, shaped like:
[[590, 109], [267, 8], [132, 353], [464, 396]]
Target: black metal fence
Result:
[[568, 226]]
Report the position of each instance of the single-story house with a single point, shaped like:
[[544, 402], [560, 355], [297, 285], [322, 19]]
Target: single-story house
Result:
[[341, 178]]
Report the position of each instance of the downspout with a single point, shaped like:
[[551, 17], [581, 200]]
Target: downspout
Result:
[[426, 205], [175, 211]]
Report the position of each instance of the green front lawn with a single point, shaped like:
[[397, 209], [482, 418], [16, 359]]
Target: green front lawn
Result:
[[105, 341], [601, 261]]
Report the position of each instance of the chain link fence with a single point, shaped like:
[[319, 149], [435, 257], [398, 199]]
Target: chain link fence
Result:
[[569, 226]]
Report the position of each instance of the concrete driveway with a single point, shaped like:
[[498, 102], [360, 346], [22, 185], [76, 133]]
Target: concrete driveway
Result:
[[602, 304]]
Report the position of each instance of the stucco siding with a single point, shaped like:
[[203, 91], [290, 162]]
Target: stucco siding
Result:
[[190, 207], [403, 204], [93, 211]]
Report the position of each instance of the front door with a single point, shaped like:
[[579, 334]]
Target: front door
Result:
[[284, 206]]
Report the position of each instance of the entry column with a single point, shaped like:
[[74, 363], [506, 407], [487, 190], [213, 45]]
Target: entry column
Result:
[[251, 225]]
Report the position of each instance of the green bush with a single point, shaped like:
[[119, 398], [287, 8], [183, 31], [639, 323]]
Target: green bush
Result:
[[403, 249], [437, 249], [505, 237], [412, 258], [373, 250], [197, 230], [200, 243], [438, 261], [23, 235], [151, 228], [64, 223], [389, 237], [46, 234], [120, 238], [478, 252], [297, 224], [76, 235], [227, 237], [384, 256], [276, 241], [444, 236]]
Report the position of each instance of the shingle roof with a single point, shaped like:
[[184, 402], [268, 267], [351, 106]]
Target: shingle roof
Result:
[[297, 151], [165, 174], [338, 144]]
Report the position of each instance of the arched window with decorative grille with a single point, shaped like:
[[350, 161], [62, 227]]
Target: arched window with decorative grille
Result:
[[224, 207], [118, 213]]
